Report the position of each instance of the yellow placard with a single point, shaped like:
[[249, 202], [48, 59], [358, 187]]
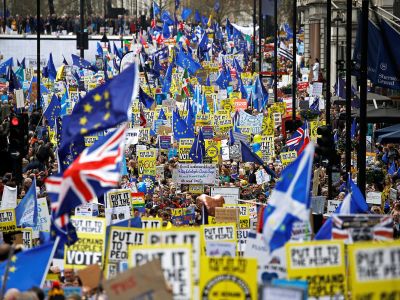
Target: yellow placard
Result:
[[235, 95], [151, 223], [226, 278], [322, 264], [203, 119], [184, 149], [89, 140], [90, 247], [8, 221], [196, 188], [374, 270], [313, 128], [119, 198], [147, 162], [213, 149], [288, 157]]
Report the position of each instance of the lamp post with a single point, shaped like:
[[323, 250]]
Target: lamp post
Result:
[[337, 21]]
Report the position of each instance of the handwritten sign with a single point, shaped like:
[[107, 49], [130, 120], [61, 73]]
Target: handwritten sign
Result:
[[195, 174]]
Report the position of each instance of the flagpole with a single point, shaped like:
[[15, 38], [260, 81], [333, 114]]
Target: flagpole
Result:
[[328, 84], [37, 54], [348, 84], [276, 50], [5, 278], [294, 62]]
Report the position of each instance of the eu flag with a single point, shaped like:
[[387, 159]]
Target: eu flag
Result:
[[53, 110], [103, 107], [167, 79], [28, 268], [165, 17], [117, 52], [83, 63], [145, 99], [185, 61], [198, 150], [250, 156], [180, 128], [26, 211], [51, 69], [6, 64]]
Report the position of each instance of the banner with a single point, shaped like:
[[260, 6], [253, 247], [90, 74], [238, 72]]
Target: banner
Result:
[[119, 239], [147, 162], [184, 149], [181, 236], [254, 122], [374, 270], [195, 174], [228, 278], [90, 247], [8, 222], [151, 223], [119, 198], [176, 264], [322, 264], [43, 223]]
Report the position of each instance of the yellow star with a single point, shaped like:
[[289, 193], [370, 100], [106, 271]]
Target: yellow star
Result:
[[97, 98], [14, 258], [12, 269], [83, 121], [108, 104], [106, 116], [106, 95], [97, 125], [84, 130], [87, 108]]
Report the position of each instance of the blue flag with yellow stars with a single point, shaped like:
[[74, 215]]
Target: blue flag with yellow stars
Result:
[[149, 180], [145, 99], [181, 130], [83, 63], [102, 108], [198, 150], [53, 110], [187, 62], [28, 268]]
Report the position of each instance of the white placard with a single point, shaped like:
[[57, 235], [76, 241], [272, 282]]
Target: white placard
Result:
[[374, 198], [9, 199], [218, 249], [117, 214], [195, 174], [332, 206], [43, 223]]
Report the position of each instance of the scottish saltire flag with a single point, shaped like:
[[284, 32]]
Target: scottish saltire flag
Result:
[[6, 64], [53, 110], [26, 211], [353, 203], [51, 69], [83, 63], [94, 172], [102, 108], [28, 268], [198, 149], [289, 202]]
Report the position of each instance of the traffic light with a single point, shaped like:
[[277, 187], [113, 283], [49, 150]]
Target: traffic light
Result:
[[18, 135], [325, 148]]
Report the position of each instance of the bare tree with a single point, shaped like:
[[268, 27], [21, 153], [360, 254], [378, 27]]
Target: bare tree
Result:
[[51, 7]]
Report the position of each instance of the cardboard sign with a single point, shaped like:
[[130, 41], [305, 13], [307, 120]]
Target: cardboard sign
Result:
[[90, 276], [90, 247], [228, 278], [231, 195], [227, 215], [322, 264], [8, 222], [118, 198], [195, 174], [374, 270], [176, 263], [142, 282], [117, 249], [332, 206]]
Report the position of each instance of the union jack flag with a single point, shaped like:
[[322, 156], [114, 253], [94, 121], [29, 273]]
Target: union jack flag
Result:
[[96, 170], [299, 139]]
